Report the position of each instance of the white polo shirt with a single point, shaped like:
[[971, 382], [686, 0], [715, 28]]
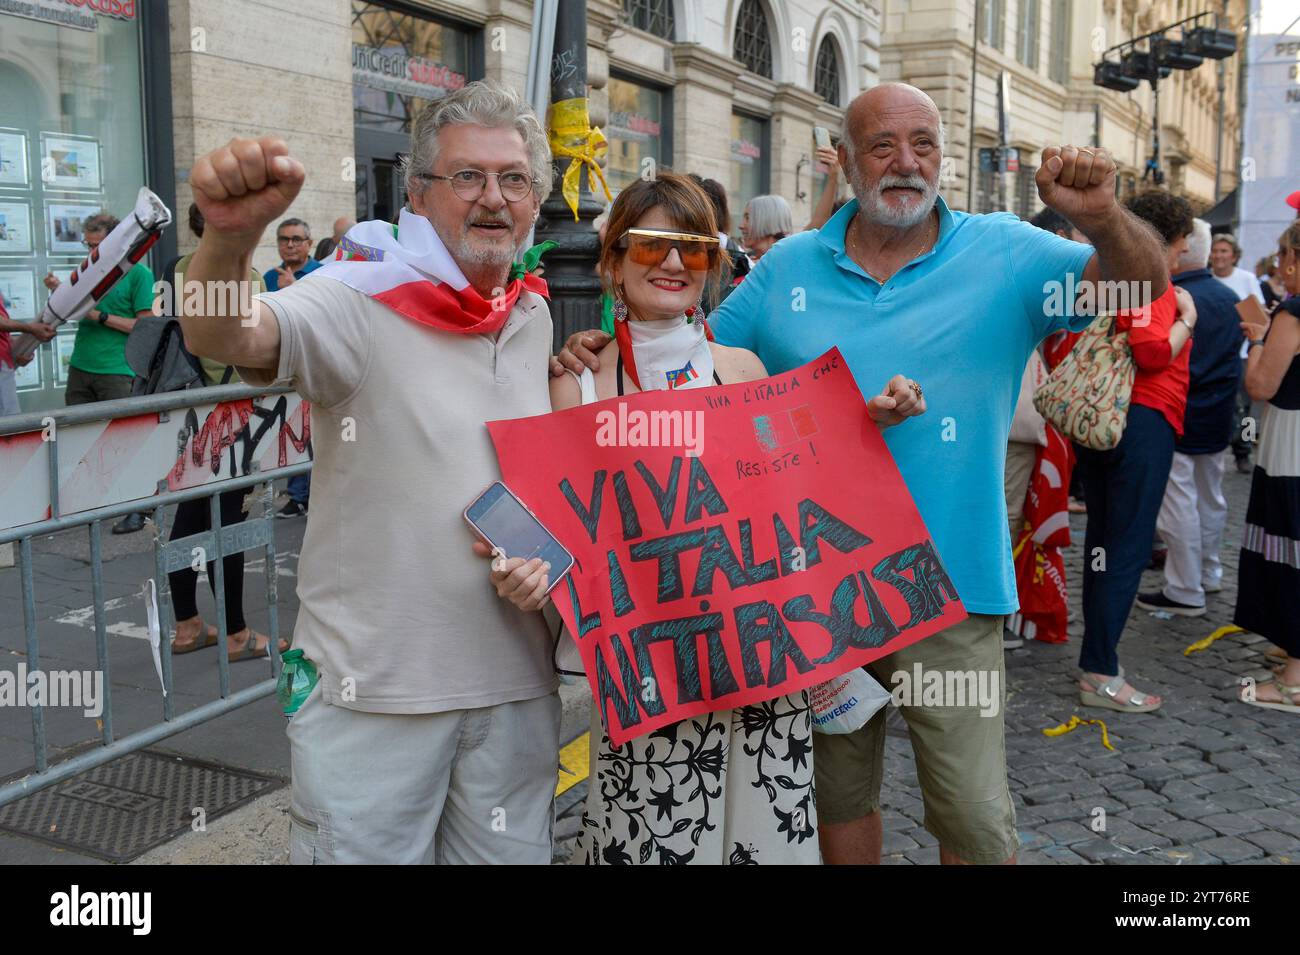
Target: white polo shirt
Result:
[[392, 598]]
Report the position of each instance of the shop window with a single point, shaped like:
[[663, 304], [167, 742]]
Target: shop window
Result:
[[400, 63], [639, 131], [72, 144], [750, 164]]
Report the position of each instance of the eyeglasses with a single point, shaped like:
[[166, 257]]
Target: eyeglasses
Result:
[[698, 253], [292, 239], [470, 183]]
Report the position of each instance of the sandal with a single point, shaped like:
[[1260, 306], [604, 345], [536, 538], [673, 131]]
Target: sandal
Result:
[[250, 650], [1287, 702], [209, 640], [1103, 695]]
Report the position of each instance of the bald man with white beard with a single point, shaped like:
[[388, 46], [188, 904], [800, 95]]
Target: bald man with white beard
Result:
[[898, 281]]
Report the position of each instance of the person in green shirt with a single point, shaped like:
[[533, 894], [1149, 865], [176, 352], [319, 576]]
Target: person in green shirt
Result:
[[99, 371]]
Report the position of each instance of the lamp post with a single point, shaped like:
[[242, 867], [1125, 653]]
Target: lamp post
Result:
[[571, 267]]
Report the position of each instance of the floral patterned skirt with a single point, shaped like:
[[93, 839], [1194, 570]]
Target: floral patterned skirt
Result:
[[732, 787]]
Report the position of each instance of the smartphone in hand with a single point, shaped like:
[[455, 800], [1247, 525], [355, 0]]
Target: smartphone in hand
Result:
[[503, 521]]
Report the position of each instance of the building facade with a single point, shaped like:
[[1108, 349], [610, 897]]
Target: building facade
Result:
[[111, 95], [1019, 73]]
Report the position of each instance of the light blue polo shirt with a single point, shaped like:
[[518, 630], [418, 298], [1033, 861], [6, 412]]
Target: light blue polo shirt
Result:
[[961, 320]]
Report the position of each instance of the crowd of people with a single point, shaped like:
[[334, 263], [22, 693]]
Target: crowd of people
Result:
[[432, 733]]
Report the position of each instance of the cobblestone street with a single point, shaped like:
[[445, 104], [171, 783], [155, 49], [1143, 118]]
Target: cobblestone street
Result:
[[1204, 780]]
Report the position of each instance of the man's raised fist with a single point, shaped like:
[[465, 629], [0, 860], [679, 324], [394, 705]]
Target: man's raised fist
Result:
[[246, 185]]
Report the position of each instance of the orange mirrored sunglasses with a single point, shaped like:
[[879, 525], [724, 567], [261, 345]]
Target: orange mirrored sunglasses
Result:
[[650, 247]]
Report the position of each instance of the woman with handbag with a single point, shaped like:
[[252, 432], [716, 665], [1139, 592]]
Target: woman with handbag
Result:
[[1125, 485], [1268, 588]]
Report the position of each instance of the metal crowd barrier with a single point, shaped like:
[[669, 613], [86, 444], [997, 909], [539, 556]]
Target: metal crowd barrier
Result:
[[217, 543]]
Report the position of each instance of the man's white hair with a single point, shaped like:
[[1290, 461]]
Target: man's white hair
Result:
[[1198, 247], [480, 103]]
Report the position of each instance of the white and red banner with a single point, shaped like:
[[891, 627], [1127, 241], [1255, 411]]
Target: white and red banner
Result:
[[127, 459]]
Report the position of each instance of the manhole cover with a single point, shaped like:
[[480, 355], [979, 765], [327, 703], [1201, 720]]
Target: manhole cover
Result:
[[124, 808]]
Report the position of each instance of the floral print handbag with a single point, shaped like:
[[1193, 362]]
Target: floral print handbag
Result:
[[1087, 396]]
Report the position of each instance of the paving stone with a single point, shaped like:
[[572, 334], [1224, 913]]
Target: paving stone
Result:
[[1230, 849], [1234, 760], [1045, 793], [1275, 819], [1060, 855], [1186, 831], [1118, 782], [1149, 816], [1066, 833], [1185, 855], [1143, 797], [1034, 776], [1099, 850], [1195, 809], [1192, 767], [1230, 823], [1218, 782], [1274, 843], [1182, 789], [1237, 801]]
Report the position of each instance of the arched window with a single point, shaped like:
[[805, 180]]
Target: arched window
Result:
[[653, 16], [826, 74], [753, 41]]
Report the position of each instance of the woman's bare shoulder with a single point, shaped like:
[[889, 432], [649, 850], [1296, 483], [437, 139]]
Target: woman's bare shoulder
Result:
[[736, 364]]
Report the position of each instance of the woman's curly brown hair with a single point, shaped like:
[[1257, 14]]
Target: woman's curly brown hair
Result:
[[1171, 216]]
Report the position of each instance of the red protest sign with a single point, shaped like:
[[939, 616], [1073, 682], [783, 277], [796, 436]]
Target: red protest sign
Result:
[[732, 544]]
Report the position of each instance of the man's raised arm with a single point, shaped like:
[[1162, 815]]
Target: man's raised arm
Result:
[[240, 189], [1079, 183]]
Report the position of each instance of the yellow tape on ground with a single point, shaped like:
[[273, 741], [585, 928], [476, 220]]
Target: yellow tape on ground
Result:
[[1074, 724], [575, 763], [1203, 644]]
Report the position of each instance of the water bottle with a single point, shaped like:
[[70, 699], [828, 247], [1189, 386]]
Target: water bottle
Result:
[[297, 678]]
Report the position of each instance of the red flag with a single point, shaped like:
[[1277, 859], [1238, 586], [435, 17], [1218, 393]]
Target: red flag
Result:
[[1037, 547]]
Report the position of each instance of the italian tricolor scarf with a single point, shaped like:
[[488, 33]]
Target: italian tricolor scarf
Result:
[[407, 267]]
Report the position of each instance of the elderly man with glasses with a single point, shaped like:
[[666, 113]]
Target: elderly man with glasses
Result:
[[293, 242], [432, 734]]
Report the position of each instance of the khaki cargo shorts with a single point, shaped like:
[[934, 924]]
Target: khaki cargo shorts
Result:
[[961, 757]]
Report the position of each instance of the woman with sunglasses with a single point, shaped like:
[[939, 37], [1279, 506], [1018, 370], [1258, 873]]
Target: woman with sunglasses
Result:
[[706, 789]]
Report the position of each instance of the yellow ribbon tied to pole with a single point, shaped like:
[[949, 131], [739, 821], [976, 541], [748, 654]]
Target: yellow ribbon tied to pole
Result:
[[572, 135], [1074, 724]]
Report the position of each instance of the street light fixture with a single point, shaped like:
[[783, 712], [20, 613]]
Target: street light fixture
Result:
[[1112, 77], [1172, 54], [1162, 55], [1210, 42]]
